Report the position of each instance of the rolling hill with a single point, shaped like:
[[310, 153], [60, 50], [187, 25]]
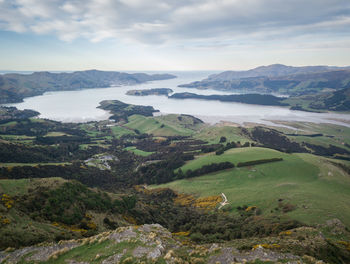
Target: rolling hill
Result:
[[293, 81], [298, 181], [15, 87]]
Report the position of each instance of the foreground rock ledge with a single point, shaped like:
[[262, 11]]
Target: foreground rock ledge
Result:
[[145, 244]]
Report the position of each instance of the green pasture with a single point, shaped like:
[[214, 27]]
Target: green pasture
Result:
[[318, 189], [138, 151]]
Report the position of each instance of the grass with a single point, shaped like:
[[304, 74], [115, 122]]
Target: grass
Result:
[[13, 187], [86, 146], [21, 186], [233, 155], [119, 131], [56, 134], [90, 129], [89, 252], [212, 134], [332, 134], [319, 190], [157, 126], [182, 121], [19, 138], [139, 152], [34, 164]]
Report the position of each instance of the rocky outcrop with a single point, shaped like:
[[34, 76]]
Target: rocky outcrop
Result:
[[151, 243]]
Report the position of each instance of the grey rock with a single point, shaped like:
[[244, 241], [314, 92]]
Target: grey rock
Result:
[[114, 259], [44, 253], [140, 251], [156, 253], [123, 234], [229, 255], [41, 253]]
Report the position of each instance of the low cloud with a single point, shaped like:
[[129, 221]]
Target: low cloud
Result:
[[207, 22]]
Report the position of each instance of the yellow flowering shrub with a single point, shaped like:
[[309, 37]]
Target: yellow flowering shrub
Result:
[[6, 221], [250, 208], [267, 246], [285, 233], [130, 219], [187, 233], [207, 203], [346, 244], [70, 228], [7, 201], [91, 225]]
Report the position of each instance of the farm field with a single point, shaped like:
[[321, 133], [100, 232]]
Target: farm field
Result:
[[212, 134], [158, 126], [300, 181], [327, 133], [139, 152], [119, 131]]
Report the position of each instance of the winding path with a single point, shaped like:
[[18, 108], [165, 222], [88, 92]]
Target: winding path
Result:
[[224, 202]]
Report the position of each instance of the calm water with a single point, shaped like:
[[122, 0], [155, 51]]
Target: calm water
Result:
[[80, 106]]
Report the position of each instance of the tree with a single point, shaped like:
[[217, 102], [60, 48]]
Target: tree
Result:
[[223, 139]]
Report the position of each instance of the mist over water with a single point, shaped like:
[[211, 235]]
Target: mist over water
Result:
[[80, 106]]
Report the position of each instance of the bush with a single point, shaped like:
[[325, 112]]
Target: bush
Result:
[[209, 169], [223, 139], [256, 162], [219, 152], [197, 237]]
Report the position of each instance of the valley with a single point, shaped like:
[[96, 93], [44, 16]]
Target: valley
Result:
[[174, 132], [247, 188], [77, 181]]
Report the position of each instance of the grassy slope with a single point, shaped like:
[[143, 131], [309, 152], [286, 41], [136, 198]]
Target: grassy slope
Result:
[[139, 152], [31, 230], [212, 134], [159, 126], [56, 134], [119, 131], [332, 134], [318, 189], [14, 187], [22, 227]]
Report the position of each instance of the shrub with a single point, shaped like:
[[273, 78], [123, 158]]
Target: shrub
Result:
[[220, 151], [223, 139], [209, 169], [256, 162], [197, 237]]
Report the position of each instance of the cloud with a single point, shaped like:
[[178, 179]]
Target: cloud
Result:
[[168, 22]]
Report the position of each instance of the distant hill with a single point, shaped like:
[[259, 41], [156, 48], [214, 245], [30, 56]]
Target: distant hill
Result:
[[279, 78], [14, 87], [259, 99], [273, 70], [335, 101]]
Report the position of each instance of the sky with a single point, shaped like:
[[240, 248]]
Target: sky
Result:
[[65, 35]]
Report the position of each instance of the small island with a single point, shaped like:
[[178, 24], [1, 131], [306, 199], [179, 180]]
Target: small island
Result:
[[154, 91], [259, 99]]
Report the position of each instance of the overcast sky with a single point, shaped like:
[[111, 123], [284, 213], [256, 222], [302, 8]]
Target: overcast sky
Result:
[[172, 34]]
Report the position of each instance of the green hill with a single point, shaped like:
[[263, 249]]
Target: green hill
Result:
[[15, 87], [169, 125], [294, 81], [315, 188], [51, 209]]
